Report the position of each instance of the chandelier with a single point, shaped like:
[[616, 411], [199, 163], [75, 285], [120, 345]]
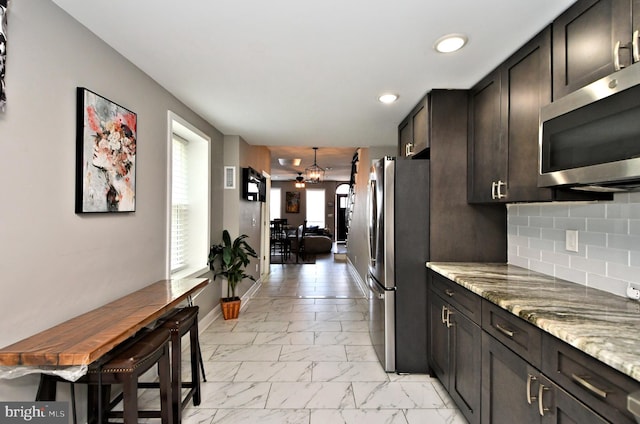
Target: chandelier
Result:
[[314, 174], [299, 180]]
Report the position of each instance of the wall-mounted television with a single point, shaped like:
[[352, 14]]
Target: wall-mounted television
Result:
[[254, 186]]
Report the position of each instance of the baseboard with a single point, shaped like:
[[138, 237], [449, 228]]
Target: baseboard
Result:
[[356, 276]]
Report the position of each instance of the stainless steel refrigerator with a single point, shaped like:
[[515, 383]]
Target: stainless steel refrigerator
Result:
[[399, 249]]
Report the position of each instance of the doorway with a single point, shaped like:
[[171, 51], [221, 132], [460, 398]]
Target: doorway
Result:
[[342, 192]]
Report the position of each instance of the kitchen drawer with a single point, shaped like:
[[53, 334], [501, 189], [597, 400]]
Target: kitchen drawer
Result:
[[515, 333], [462, 299], [596, 384]]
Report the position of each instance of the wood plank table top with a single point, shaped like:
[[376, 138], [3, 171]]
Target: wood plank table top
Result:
[[85, 338]]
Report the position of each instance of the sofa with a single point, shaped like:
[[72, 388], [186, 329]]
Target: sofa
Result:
[[312, 240]]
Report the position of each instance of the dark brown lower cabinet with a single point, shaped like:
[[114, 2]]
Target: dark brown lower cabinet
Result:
[[455, 357], [513, 391]]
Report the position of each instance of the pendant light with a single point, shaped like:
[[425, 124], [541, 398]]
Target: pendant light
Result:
[[314, 173], [299, 180]]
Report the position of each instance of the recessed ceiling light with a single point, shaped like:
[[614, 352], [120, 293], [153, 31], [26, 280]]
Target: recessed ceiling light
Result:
[[388, 98], [450, 43]]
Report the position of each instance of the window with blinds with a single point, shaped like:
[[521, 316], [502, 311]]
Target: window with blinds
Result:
[[189, 208], [179, 204]]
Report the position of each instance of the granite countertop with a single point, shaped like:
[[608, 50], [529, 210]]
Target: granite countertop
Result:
[[596, 322]]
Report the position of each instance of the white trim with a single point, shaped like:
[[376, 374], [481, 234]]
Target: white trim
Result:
[[361, 284], [178, 125]]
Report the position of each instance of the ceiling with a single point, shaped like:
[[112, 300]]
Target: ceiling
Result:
[[308, 73]]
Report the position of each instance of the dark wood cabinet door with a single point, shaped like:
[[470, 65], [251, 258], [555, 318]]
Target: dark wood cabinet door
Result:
[[526, 87], [487, 153], [420, 124], [414, 130], [559, 407], [438, 339], [504, 385], [466, 365], [584, 43], [404, 136]]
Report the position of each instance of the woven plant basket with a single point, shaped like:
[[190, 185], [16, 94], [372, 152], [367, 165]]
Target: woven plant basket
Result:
[[230, 308]]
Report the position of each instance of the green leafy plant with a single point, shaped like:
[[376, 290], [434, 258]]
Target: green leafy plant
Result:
[[230, 259]]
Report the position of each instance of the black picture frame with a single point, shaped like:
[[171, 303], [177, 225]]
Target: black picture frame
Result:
[[106, 140]]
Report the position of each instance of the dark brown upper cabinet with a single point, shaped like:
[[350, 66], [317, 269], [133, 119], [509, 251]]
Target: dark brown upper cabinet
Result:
[[504, 122], [593, 39], [413, 131]]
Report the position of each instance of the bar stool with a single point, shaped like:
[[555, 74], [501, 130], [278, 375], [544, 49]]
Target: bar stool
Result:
[[125, 368], [183, 321]]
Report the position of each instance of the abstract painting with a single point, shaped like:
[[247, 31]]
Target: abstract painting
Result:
[[293, 202], [106, 138], [4, 4]]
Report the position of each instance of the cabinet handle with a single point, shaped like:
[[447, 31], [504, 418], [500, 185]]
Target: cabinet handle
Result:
[[530, 398], [408, 149], [504, 331], [443, 314], [493, 189], [584, 383], [449, 323], [541, 407], [499, 186], [449, 292], [616, 56], [634, 44]]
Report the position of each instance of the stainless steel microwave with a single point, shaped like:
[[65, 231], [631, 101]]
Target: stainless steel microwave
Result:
[[590, 139]]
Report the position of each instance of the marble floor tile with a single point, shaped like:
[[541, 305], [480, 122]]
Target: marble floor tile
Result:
[[291, 316], [235, 395], [396, 395], [196, 415], [359, 416], [234, 337], [246, 353], [361, 326], [221, 371], [348, 371], [315, 308], [434, 416], [314, 326], [312, 353], [361, 354], [261, 326], [342, 338], [299, 338], [261, 416], [340, 316], [300, 353], [274, 371], [311, 395]]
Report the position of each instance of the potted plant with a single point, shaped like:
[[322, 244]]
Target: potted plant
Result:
[[229, 260]]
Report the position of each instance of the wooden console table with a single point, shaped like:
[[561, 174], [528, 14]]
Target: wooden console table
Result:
[[87, 337]]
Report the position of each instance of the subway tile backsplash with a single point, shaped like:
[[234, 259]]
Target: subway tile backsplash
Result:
[[608, 256]]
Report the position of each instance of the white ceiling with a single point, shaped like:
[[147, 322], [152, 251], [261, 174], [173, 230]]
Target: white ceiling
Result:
[[308, 72]]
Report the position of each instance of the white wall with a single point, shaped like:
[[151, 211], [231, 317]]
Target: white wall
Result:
[[54, 263], [608, 254]]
